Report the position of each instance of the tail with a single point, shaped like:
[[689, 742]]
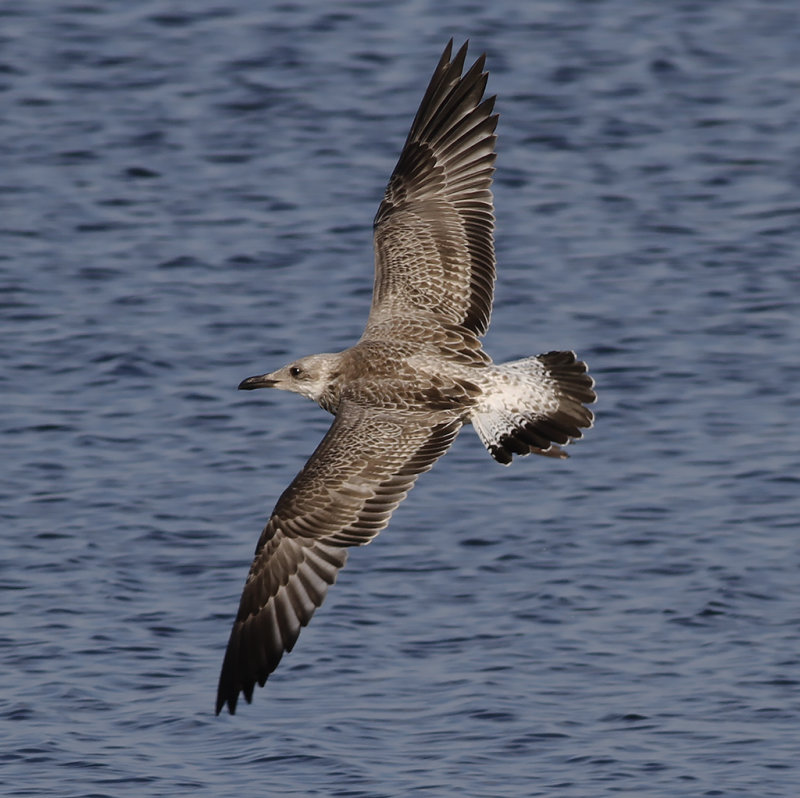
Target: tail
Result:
[[533, 404]]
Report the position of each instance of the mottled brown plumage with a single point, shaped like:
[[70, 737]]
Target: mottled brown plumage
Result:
[[402, 393]]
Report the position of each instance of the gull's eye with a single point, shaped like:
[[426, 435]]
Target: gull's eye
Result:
[[295, 371]]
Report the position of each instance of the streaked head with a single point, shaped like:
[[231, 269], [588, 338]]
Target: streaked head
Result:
[[309, 376]]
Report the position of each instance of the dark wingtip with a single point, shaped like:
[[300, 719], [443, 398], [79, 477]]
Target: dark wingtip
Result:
[[223, 699], [461, 55]]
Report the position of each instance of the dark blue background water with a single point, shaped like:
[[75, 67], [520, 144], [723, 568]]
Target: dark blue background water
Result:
[[186, 193]]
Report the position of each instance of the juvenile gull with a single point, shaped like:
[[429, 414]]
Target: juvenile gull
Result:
[[418, 373]]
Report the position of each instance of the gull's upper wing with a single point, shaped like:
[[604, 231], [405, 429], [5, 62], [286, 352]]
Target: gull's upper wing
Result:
[[434, 230], [344, 496]]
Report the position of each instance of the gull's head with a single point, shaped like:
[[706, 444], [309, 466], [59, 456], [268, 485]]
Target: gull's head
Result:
[[309, 376]]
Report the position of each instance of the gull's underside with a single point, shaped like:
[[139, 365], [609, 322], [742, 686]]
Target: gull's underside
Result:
[[401, 394]]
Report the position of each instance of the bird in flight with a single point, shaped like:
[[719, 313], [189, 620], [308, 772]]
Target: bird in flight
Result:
[[401, 394]]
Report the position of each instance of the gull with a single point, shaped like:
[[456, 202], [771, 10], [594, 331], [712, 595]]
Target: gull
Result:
[[401, 394]]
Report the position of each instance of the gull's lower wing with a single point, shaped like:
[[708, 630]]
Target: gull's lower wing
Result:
[[344, 496]]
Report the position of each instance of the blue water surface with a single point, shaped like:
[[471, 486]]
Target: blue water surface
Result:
[[186, 195]]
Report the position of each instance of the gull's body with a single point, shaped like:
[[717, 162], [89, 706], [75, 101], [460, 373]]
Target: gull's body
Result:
[[401, 394]]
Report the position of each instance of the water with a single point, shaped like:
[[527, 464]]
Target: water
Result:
[[186, 192]]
